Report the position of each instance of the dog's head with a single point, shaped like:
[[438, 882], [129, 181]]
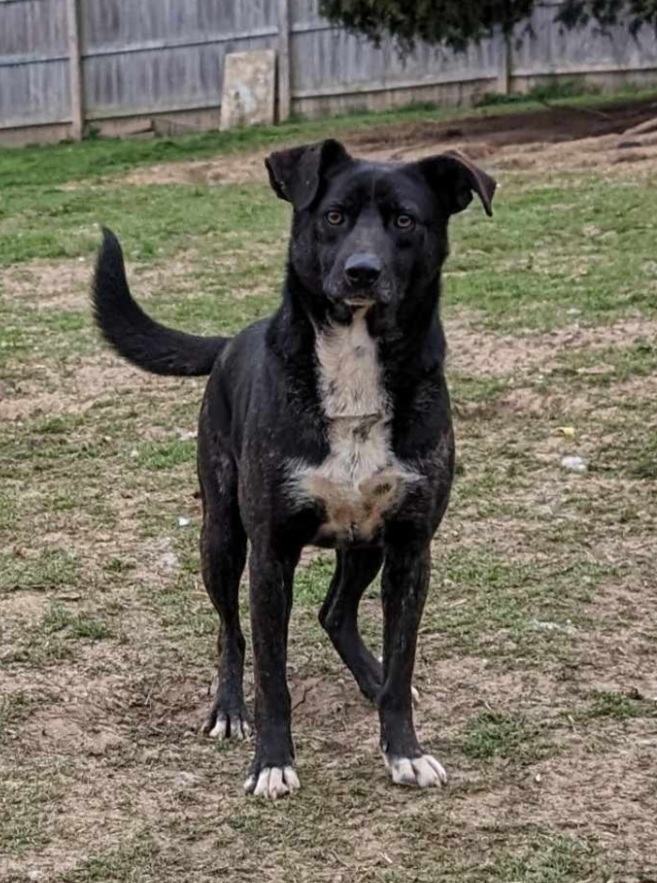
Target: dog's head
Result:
[[370, 234]]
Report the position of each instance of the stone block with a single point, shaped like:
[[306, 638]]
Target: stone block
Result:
[[249, 86]]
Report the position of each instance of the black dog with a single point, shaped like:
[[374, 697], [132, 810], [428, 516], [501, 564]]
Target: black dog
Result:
[[327, 424]]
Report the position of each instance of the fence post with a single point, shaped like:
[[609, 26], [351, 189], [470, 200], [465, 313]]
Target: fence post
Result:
[[505, 68], [283, 60], [75, 69]]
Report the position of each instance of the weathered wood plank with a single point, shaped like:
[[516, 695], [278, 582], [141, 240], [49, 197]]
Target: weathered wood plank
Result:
[[158, 56], [74, 70], [283, 66], [34, 87]]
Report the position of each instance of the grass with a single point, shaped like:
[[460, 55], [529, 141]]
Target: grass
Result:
[[620, 706], [493, 734], [47, 569], [74, 625], [535, 651]]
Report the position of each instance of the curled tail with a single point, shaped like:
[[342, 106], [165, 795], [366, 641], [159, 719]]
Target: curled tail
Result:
[[136, 336]]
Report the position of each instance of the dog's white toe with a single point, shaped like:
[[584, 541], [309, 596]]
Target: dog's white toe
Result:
[[423, 772], [220, 728], [230, 728], [273, 782]]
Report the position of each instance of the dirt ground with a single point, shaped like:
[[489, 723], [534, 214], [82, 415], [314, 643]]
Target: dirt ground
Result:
[[538, 661], [543, 141]]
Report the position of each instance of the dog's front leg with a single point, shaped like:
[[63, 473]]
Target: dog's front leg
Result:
[[403, 591], [272, 772]]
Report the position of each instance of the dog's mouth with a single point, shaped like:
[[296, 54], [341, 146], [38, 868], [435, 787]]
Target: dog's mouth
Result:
[[359, 301]]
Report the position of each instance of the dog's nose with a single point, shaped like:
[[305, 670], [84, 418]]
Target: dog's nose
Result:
[[362, 270]]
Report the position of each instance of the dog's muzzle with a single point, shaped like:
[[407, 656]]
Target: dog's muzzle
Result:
[[361, 282]]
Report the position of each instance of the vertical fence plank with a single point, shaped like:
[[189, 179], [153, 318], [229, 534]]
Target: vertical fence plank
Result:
[[75, 69], [283, 60], [505, 70]]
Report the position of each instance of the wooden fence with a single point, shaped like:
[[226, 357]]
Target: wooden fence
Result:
[[66, 65]]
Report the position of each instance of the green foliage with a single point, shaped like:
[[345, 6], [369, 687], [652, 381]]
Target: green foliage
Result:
[[457, 23], [634, 13], [452, 22]]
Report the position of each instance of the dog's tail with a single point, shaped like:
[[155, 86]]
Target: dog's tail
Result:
[[135, 335]]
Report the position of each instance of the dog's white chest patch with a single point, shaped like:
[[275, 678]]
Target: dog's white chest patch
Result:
[[360, 479]]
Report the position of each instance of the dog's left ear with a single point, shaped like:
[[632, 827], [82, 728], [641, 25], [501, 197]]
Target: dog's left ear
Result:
[[296, 174], [454, 179]]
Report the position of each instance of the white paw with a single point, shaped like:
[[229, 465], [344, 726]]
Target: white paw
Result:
[[273, 782], [425, 771], [230, 728]]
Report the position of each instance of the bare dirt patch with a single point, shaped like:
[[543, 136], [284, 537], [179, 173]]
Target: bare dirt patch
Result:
[[63, 285], [477, 352], [66, 284], [74, 387], [553, 139]]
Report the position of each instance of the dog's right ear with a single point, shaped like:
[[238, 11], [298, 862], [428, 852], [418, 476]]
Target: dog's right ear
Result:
[[296, 174]]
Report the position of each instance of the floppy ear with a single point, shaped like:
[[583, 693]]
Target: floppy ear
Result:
[[455, 179], [296, 174]]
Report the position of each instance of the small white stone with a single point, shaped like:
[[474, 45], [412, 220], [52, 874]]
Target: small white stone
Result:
[[184, 779], [574, 464], [134, 453], [182, 521]]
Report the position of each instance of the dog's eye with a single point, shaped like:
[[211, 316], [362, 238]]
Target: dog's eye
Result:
[[404, 222], [335, 218]]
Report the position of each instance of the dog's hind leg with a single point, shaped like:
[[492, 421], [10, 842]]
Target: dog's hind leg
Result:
[[355, 570], [223, 556]]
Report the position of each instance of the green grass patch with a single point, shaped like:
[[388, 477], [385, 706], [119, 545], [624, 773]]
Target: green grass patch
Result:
[[620, 706], [48, 569], [61, 619], [605, 366], [511, 737], [151, 221], [156, 456], [132, 862], [311, 580], [549, 248], [26, 799], [12, 708], [486, 603], [556, 859]]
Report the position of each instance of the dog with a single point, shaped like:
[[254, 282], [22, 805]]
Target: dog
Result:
[[326, 424]]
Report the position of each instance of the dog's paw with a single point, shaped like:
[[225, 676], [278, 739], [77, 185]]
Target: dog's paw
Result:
[[226, 725], [273, 782], [423, 772]]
